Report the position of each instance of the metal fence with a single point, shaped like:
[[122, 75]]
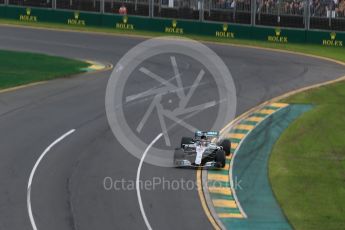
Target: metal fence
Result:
[[234, 11], [327, 14], [307, 14], [35, 3], [184, 9], [133, 7], [84, 5], [284, 13]]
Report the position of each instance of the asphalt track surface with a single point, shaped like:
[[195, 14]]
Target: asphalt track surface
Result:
[[67, 191]]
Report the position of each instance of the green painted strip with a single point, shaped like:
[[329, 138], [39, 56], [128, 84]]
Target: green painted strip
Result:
[[248, 122], [225, 172], [227, 210], [218, 184], [239, 131], [232, 150], [271, 107], [235, 140], [220, 172], [259, 115], [262, 208], [221, 197]]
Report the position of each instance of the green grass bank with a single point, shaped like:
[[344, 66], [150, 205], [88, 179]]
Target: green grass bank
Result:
[[307, 165], [20, 68]]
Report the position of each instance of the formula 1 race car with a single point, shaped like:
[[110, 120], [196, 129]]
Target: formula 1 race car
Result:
[[213, 154]]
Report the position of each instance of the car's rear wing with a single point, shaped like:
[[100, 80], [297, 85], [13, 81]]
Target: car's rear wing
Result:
[[208, 134]]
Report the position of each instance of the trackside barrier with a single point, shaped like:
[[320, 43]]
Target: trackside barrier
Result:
[[173, 26]]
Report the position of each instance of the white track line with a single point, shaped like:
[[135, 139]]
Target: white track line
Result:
[[32, 220], [137, 184]]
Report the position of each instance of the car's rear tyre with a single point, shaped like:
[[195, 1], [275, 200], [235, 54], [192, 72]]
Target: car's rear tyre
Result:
[[226, 144], [220, 158], [186, 141]]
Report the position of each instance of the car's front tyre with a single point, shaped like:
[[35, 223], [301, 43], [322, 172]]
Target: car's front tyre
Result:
[[220, 159], [226, 144]]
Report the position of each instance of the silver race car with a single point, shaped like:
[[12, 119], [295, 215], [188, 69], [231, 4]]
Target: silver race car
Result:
[[204, 150]]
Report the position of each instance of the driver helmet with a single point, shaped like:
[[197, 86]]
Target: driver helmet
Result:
[[203, 140]]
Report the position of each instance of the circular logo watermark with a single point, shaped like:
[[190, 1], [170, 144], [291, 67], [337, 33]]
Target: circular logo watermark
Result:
[[172, 86]]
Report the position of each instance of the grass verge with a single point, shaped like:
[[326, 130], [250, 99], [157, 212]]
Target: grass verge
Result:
[[335, 53], [307, 165], [20, 68]]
